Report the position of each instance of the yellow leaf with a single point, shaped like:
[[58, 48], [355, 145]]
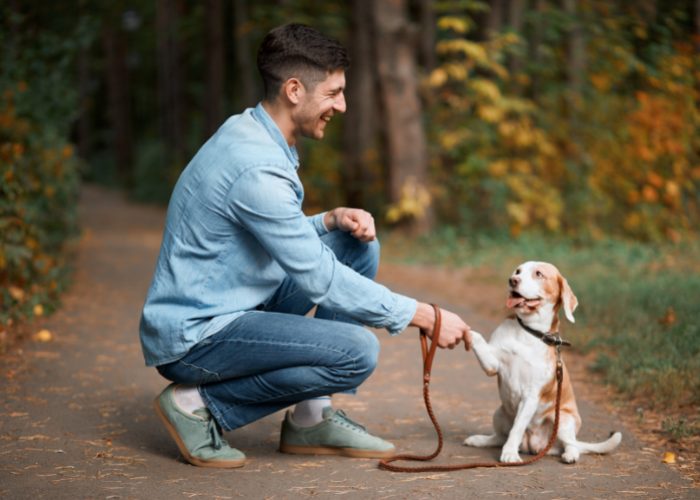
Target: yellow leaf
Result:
[[491, 114], [456, 24], [437, 78], [16, 293], [38, 310], [486, 88], [43, 336], [669, 458], [498, 168]]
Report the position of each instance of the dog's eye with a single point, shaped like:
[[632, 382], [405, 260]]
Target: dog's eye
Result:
[[517, 271], [539, 274]]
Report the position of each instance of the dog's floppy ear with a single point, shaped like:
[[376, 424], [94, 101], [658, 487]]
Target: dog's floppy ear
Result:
[[568, 299]]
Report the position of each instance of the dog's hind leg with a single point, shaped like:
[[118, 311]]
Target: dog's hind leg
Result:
[[567, 437], [501, 425], [485, 440]]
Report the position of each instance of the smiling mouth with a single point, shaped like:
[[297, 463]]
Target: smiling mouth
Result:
[[515, 301]]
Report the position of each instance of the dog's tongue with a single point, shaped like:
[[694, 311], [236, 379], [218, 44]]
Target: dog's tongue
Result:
[[514, 302]]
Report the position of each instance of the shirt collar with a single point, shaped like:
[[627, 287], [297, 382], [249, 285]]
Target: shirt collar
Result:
[[261, 115]]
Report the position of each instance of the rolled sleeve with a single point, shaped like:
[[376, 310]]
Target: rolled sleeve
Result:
[[273, 215], [317, 222]]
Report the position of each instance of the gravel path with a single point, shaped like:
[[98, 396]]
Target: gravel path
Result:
[[76, 419]]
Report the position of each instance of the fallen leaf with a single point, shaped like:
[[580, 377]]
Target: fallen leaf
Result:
[[38, 310], [43, 336], [669, 458], [669, 318]]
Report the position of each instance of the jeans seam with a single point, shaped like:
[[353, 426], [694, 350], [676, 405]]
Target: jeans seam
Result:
[[295, 344], [201, 368]]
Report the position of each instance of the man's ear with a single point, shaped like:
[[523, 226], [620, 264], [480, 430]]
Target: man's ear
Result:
[[294, 90]]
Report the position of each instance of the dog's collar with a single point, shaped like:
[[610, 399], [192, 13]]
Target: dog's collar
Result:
[[548, 338]]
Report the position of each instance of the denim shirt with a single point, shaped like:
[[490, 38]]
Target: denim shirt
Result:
[[234, 231]]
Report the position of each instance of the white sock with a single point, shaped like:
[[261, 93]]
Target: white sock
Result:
[[187, 398], [310, 412]]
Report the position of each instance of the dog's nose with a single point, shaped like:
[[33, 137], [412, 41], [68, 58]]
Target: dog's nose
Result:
[[514, 281]]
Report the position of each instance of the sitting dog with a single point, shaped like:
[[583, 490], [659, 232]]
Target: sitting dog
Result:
[[522, 353]]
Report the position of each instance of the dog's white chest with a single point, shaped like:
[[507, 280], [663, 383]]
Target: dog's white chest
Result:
[[524, 369]]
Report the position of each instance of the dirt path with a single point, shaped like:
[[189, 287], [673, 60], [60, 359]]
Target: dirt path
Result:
[[76, 418]]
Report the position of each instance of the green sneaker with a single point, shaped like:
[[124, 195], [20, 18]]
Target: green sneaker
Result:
[[197, 436], [336, 435]]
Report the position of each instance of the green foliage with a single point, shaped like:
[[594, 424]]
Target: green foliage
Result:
[[39, 176], [642, 323], [518, 148]]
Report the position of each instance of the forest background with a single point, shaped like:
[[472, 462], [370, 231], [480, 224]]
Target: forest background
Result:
[[477, 132]]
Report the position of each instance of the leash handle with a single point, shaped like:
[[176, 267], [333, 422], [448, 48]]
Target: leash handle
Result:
[[428, 356], [429, 353]]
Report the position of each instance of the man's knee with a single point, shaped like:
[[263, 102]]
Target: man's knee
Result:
[[364, 257], [358, 354], [367, 352], [361, 256], [373, 253]]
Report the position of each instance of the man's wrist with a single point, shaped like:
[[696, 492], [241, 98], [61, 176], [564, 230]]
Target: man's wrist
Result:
[[329, 220], [424, 316]]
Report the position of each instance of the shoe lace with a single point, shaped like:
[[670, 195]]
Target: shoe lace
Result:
[[213, 431], [344, 416]]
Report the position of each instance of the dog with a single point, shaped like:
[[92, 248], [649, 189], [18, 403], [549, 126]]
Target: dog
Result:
[[519, 354]]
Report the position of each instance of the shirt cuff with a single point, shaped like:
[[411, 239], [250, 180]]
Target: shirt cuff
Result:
[[317, 222], [405, 311]]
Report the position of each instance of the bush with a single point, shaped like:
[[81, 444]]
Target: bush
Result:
[[39, 173], [38, 199]]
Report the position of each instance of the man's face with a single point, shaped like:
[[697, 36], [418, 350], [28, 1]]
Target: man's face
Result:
[[318, 106]]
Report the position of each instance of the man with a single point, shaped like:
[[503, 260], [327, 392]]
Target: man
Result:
[[240, 265]]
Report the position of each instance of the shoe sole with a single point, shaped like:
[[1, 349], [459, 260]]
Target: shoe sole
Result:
[[330, 450], [220, 464]]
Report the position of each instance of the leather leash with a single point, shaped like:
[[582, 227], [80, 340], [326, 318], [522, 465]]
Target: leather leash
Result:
[[428, 356]]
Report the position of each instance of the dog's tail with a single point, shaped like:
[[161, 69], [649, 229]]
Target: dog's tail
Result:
[[603, 447]]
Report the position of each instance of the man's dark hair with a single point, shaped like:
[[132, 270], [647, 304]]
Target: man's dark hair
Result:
[[296, 50]]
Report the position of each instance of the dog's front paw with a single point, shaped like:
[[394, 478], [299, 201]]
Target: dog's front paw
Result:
[[510, 457]]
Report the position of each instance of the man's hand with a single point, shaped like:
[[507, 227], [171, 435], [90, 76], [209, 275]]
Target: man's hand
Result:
[[452, 331], [355, 221]]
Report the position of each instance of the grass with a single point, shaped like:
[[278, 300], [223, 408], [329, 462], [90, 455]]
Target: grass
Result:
[[638, 312]]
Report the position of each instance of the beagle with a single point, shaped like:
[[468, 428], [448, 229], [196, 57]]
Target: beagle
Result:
[[522, 354]]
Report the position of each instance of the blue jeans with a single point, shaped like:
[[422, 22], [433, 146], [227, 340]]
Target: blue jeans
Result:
[[275, 357]]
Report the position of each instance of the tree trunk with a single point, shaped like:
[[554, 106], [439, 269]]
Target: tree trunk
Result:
[[170, 79], [119, 101], [535, 51], [359, 123], [516, 10], [405, 138], [494, 22], [83, 128], [213, 100], [427, 35], [575, 53], [696, 19], [247, 94]]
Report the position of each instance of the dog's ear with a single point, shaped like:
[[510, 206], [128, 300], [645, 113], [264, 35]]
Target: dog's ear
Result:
[[568, 299]]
